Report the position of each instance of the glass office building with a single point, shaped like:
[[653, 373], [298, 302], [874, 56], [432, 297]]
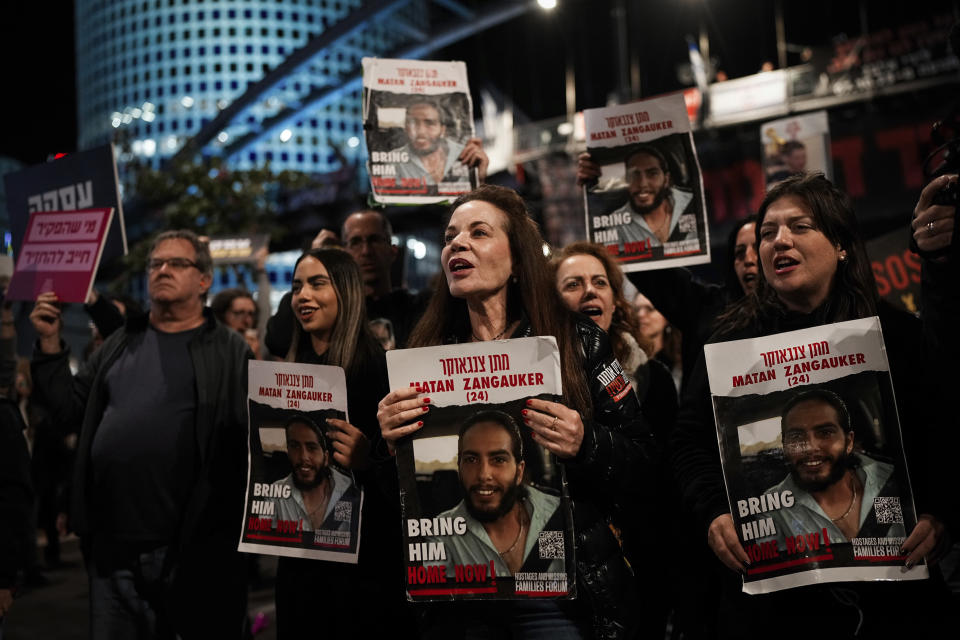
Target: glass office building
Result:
[[151, 73]]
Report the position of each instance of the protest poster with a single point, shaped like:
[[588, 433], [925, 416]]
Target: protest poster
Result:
[[795, 144], [60, 252], [300, 503], [647, 207], [812, 456], [896, 269], [417, 115], [82, 180], [485, 509], [240, 248]]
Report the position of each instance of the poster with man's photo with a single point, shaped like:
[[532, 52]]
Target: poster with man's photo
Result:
[[812, 456], [418, 116], [485, 509], [647, 207], [795, 144], [300, 503]]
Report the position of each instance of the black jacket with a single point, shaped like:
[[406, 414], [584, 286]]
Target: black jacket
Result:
[[696, 460], [209, 527], [16, 494], [616, 459], [689, 304]]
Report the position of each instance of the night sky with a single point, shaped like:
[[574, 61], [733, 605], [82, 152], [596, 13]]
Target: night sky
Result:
[[524, 58]]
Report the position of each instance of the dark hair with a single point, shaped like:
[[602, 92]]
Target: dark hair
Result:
[[853, 293], [223, 300], [818, 395], [442, 113], [624, 316], [500, 418], [351, 343], [202, 249], [307, 421], [650, 150], [531, 293], [733, 282]]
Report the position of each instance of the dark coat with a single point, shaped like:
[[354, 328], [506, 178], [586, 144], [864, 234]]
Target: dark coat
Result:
[[207, 571], [696, 460]]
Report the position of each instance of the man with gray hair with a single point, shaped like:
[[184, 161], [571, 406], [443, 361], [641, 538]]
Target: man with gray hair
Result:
[[160, 467]]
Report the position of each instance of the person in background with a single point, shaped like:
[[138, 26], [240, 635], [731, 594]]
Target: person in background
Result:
[[16, 485], [382, 330], [665, 341], [237, 309]]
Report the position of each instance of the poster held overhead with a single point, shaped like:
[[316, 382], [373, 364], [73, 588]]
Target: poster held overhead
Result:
[[82, 180], [300, 503], [795, 144], [473, 474], [647, 208], [61, 253], [417, 116], [812, 456]]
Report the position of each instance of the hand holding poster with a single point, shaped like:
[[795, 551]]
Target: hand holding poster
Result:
[[812, 456], [485, 509], [418, 116], [61, 252], [647, 207], [299, 503]]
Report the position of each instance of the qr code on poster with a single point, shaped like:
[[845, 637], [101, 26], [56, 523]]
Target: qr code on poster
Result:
[[888, 510], [551, 545], [342, 511]]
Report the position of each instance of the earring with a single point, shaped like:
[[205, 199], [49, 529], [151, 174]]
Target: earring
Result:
[[513, 279]]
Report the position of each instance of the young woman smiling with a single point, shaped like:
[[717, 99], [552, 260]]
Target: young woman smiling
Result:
[[331, 328]]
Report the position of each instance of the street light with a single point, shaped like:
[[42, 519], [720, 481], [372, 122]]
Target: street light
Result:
[[547, 4]]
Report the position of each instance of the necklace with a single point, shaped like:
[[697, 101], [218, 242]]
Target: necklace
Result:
[[497, 337], [852, 501], [519, 533]]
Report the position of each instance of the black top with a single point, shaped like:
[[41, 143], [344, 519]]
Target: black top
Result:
[[143, 457]]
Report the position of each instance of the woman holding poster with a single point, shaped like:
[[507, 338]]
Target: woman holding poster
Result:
[[815, 271], [496, 285], [331, 329]]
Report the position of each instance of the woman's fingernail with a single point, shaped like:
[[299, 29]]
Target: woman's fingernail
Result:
[[425, 408], [523, 412], [420, 424], [426, 401], [529, 402]]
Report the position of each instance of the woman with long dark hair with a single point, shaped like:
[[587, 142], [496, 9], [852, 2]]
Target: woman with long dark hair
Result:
[[497, 284], [331, 328], [814, 271]]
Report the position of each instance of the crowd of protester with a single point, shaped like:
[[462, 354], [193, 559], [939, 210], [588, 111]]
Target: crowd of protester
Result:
[[157, 413]]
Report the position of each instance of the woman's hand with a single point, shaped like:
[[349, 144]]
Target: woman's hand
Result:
[[351, 449], [928, 539], [723, 540], [399, 414], [474, 156], [933, 223], [588, 171], [555, 427]]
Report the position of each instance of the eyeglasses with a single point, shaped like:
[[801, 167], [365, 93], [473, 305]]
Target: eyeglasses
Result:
[[371, 241], [179, 264], [242, 312]]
